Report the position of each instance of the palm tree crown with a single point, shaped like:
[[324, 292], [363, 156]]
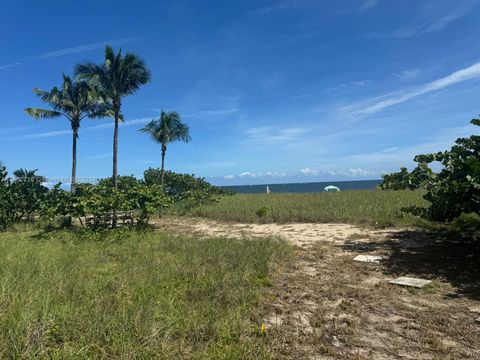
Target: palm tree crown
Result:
[[168, 128], [118, 76], [75, 101]]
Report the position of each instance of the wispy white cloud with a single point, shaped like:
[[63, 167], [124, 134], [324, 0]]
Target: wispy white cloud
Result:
[[83, 48], [371, 106], [247, 174], [69, 51], [48, 134], [390, 149], [270, 135], [149, 162], [307, 171], [367, 4], [126, 123], [304, 174], [7, 66], [406, 75], [40, 135], [352, 172], [434, 17], [442, 140], [211, 113], [255, 175], [99, 156], [346, 86], [280, 6]]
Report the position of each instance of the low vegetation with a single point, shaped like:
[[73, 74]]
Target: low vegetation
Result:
[[24, 198], [365, 207], [125, 294], [453, 193]]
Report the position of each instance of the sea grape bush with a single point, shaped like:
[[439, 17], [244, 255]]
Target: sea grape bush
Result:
[[92, 205], [454, 192], [456, 188], [20, 197], [186, 189], [404, 179]]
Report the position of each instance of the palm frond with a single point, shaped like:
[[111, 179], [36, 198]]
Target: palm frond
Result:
[[168, 128], [42, 113]]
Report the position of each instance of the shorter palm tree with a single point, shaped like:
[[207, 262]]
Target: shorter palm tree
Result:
[[75, 101], [165, 130]]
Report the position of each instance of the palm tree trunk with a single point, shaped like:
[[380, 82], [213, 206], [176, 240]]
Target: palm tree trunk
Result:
[[74, 161], [116, 109], [162, 172]]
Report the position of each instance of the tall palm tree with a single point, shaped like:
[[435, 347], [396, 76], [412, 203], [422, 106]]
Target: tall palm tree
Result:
[[167, 129], [117, 77], [75, 101]]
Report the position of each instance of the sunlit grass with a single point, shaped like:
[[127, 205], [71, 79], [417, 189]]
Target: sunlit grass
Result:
[[131, 295], [365, 207]]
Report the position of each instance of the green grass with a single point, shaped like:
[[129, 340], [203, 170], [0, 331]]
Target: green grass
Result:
[[132, 295], [364, 207]]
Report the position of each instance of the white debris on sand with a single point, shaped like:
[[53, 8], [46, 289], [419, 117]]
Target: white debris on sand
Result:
[[368, 258], [409, 281]]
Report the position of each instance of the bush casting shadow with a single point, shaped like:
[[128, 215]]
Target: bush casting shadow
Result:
[[431, 255]]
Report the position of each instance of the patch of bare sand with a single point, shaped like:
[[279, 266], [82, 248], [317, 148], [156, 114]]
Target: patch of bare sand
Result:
[[300, 234], [323, 305]]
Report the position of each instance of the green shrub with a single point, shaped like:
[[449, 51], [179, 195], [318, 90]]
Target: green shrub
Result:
[[93, 205], [456, 188], [21, 197], [186, 191], [262, 212], [404, 180]]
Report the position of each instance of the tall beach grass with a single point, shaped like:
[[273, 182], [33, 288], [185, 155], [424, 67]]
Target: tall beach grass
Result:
[[132, 295], [364, 207]]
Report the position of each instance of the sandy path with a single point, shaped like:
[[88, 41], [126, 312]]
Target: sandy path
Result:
[[323, 305], [300, 234]]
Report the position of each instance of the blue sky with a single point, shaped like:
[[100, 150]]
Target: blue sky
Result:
[[273, 91]]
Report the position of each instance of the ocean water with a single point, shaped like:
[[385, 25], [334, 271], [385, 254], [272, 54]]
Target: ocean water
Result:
[[305, 187]]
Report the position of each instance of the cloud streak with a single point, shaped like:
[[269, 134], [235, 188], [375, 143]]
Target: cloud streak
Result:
[[367, 4], [40, 135], [278, 7], [98, 157], [270, 135], [69, 51], [436, 19], [49, 134], [369, 107]]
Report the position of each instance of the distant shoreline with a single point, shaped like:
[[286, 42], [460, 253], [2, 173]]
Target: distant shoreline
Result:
[[305, 187]]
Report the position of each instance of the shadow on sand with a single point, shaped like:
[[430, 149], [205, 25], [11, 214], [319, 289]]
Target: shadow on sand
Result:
[[430, 255]]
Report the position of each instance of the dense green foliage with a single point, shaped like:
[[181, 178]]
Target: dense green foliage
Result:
[[404, 179], [456, 188], [453, 191], [93, 204], [133, 295], [186, 190], [364, 207], [19, 197]]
